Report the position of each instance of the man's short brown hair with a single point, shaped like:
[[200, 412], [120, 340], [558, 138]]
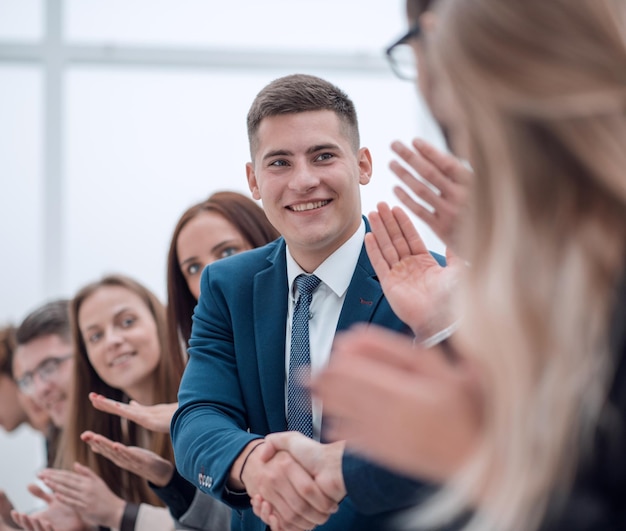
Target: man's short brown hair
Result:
[[298, 93], [53, 318]]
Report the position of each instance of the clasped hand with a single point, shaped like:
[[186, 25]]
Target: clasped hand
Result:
[[294, 482]]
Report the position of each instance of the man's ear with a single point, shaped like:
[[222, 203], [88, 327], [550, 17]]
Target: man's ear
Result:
[[252, 183], [365, 165]]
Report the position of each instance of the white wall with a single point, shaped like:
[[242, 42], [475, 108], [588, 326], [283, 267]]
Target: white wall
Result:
[[141, 143]]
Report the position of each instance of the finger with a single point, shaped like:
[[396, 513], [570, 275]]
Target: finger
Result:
[[28, 523], [18, 518], [257, 507], [314, 505], [431, 172], [84, 471], [414, 158], [380, 229], [266, 513], [409, 234], [284, 517], [426, 215], [66, 477], [102, 449], [109, 451], [294, 494], [267, 451], [38, 492], [69, 481], [114, 407], [99, 444], [33, 523], [423, 190], [90, 437], [70, 495], [384, 244], [41, 524], [116, 459], [448, 165], [393, 244], [107, 405], [72, 501]]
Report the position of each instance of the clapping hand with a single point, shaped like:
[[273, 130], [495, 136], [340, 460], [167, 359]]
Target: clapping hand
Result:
[[413, 410], [418, 289], [154, 418], [140, 461], [56, 517], [445, 191], [86, 493]]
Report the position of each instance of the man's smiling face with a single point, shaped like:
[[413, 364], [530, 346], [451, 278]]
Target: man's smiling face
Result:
[[307, 174]]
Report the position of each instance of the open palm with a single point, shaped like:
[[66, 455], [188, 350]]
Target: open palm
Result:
[[416, 286], [140, 461]]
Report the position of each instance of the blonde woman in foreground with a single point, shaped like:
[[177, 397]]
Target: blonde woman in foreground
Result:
[[522, 413]]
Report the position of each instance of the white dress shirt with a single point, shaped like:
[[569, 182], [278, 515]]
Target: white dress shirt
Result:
[[335, 274]]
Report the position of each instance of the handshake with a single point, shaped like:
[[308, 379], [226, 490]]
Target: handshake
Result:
[[294, 483]]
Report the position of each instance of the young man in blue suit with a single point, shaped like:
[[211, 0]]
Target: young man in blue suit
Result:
[[307, 166]]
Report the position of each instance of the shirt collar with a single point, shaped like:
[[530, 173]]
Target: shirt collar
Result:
[[337, 270]]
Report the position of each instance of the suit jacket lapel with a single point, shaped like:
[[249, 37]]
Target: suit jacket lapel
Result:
[[363, 295], [270, 317]]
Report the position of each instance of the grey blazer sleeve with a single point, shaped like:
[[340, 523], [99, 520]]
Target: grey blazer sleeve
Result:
[[205, 514]]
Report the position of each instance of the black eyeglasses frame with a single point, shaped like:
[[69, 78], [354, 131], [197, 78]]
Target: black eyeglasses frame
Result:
[[414, 32]]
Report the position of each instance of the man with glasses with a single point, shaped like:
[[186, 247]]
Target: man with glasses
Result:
[[43, 359], [42, 370]]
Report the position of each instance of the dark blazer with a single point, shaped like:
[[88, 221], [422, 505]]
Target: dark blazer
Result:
[[233, 388], [597, 500]]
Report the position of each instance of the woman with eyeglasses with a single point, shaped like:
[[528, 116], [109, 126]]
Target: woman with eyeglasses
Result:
[[521, 414]]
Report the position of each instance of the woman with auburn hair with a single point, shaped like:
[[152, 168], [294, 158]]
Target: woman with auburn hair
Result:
[[521, 414], [224, 224]]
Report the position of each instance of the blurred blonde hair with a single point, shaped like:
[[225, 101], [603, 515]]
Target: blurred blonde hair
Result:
[[540, 92]]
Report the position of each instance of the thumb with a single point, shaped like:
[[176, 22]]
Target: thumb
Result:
[[267, 451]]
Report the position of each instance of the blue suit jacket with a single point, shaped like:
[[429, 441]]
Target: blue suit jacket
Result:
[[233, 388]]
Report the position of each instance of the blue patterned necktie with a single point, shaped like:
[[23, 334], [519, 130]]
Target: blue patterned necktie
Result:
[[299, 413]]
